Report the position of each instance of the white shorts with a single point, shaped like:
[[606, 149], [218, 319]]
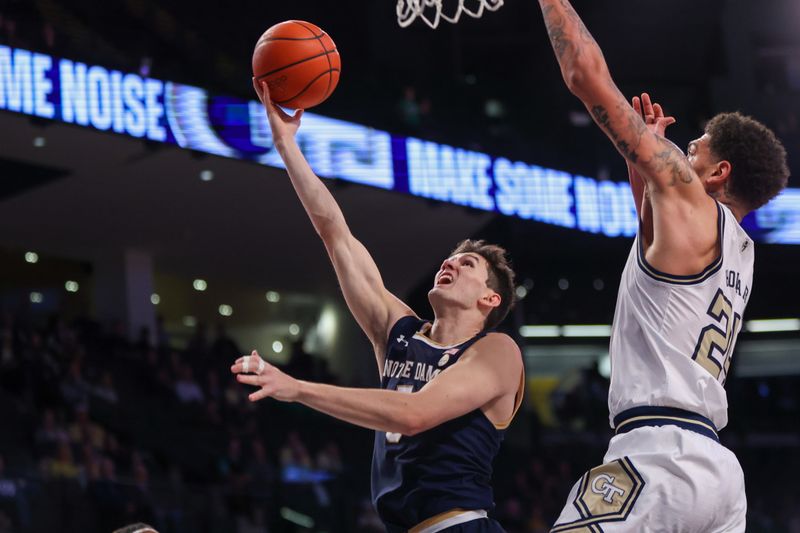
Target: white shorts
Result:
[[659, 479]]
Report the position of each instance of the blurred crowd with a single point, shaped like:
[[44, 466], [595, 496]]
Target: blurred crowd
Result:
[[98, 432]]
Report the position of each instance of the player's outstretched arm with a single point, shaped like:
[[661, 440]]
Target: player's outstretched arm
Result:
[[373, 306], [489, 372], [658, 123], [584, 69]]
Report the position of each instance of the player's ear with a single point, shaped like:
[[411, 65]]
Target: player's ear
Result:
[[491, 299], [720, 175]]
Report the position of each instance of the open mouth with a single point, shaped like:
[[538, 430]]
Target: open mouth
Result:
[[445, 279]]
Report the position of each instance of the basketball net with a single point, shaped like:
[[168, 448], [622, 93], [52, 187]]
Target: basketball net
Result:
[[431, 11]]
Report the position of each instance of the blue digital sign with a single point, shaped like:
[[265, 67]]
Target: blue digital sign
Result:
[[108, 100]]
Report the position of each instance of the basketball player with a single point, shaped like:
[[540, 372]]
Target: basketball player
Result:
[[679, 309], [449, 388]]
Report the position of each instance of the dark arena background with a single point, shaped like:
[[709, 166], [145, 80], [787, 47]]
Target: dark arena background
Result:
[[149, 236]]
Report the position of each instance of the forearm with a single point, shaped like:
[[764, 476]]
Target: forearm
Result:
[[381, 410], [322, 209], [578, 54], [637, 186]]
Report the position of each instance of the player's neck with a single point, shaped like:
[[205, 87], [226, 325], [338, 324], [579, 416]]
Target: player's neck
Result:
[[452, 328], [738, 211]]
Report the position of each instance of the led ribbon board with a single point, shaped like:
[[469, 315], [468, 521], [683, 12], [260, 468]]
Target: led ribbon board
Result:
[[39, 85]]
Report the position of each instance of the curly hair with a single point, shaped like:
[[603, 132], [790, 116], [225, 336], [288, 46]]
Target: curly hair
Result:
[[757, 157], [501, 276]]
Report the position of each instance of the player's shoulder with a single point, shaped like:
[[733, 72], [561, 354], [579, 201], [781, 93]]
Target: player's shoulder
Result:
[[497, 344]]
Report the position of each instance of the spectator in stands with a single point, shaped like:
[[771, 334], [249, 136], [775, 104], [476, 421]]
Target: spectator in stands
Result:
[[329, 458], [49, 434], [74, 389], [186, 388], [105, 492], [294, 452], [263, 477], [83, 430], [62, 466], [105, 389], [13, 501]]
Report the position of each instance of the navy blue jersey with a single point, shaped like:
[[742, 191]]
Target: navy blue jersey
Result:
[[447, 467]]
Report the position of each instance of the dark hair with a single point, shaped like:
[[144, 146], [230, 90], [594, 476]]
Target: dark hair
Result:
[[501, 277], [758, 159]]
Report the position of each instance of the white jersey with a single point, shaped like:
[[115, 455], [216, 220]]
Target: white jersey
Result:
[[673, 336]]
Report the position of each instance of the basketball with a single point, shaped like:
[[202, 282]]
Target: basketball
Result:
[[299, 62]]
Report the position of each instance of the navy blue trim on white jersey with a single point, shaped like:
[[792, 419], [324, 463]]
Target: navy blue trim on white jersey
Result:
[[644, 416], [692, 279]]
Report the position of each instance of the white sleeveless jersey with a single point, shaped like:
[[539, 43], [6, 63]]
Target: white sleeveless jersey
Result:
[[673, 336]]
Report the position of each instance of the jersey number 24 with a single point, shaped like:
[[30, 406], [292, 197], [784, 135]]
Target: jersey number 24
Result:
[[715, 345]]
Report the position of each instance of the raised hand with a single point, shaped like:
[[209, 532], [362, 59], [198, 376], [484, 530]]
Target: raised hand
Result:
[[653, 114], [252, 370], [283, 125]]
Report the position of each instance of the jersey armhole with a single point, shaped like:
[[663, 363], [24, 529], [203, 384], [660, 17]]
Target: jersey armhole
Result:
[[691, 279], [406, 327], [517, 401]]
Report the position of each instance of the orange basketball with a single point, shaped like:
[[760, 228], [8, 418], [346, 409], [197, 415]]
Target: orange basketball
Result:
[[300, 63]]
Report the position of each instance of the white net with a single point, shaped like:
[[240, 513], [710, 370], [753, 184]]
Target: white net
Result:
[[433, 11]]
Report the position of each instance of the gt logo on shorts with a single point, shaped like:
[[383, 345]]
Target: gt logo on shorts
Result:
[[604, 484], [607, 493]]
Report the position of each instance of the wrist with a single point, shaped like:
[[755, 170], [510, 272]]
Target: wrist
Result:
[[283, 142], [304, 391]]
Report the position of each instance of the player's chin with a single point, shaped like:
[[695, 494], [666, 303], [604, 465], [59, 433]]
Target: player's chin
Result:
[[436, 289]]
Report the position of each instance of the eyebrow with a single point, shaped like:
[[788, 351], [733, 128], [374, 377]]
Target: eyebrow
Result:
[[691, 144]]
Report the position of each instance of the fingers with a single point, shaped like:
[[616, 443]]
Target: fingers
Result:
[[259, 395], [659, 114], [637, 105], [250, 379], [256, 381], [257, 88], [249, 363], [264, 91], [647, 105]]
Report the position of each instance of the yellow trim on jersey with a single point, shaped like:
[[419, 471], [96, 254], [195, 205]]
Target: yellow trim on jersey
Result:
[[676, 418], [432, 521], [517, 402], [421, 336]]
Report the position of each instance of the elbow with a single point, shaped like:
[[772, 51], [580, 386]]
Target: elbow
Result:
[[582, 76], [414, 423], [576, 81], [330, 229]]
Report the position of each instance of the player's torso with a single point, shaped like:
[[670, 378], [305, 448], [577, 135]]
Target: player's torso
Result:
[[443, 468], [673, 336]]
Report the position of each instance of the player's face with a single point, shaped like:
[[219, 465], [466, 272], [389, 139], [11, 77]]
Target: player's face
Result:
[[462, 277], [700, 158]]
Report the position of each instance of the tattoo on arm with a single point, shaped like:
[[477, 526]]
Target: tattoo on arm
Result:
[[564, 26], [670, 161], [628, 136], [555, 30], [626, 130]]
